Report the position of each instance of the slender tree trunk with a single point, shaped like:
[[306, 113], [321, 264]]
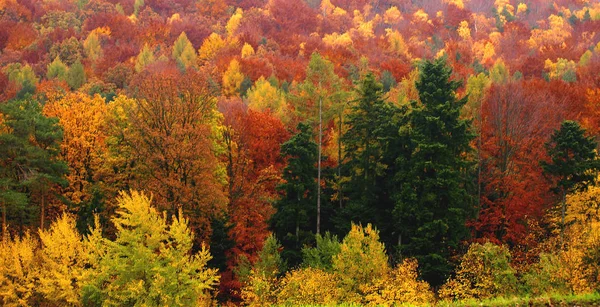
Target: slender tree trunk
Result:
[[562, 223], [319, 166], [42, 213], [340, 193], [4, 227], [43, 209]]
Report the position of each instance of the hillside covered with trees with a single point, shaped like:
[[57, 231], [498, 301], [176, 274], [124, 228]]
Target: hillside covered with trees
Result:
[[264, 152]]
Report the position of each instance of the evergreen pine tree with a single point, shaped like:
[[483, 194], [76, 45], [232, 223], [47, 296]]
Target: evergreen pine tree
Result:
[[574, 163], [370, 143], [29, 147], [292, 223], [433, 201]]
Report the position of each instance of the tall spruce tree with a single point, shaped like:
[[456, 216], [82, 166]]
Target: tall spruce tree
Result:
[[433, 201], [29, 147], [573, 164], [296, 210], [370, 142]]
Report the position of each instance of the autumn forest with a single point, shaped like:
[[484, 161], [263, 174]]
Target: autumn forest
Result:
[[299, 152]]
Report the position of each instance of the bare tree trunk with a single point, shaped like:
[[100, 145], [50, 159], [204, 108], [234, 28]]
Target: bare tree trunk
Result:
[[319, 166], [43, 213], [4, 226], [340, 193], [562, 223]]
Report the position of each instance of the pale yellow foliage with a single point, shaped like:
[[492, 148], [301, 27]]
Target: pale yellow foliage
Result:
[[499, 73], [357, 18], [247, 51], [339, 12], [338, 40], [495, 37], [484, 272], [557, 70], [63, 256], [457, 3], [264, 97], [405, 91], [476, 89], [585, 58], [392, 15], [502, 5], [559, 30], [400, 286], [309, 286], [464, 31], [175, 17], [421, 16], [144, 58], [18, 270], [360, 262], [211, 45], [260, 290], [396, 42], [521, 8], [484, 51], [365, 29], [583, 207], [232, 79], [327, 7], [234, 22]]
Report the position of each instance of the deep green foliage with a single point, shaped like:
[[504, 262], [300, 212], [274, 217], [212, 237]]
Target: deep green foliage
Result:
[[29, 147], [433, 202], [370, 146], [573, 158], [292, 223]]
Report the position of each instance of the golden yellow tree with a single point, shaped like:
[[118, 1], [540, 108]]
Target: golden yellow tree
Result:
[[400, 286], [211, 45], [83, 119], [263, 96], [360, 262], [232, 79], [63, 262], [19, 269]]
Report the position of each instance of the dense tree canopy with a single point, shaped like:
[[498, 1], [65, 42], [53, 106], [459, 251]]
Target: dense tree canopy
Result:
[[460, 130]]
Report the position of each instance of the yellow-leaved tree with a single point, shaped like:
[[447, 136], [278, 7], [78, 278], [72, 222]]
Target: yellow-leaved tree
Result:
[[83, 119], [19, 271], [63, 262], [400, 286], [150, 261], [184, 52], [484, 272], [360, 262], [263, 96], [232, 79], [210, 46], [309, 286], [260, 281]]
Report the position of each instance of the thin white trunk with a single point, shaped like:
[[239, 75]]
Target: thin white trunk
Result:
[[319, 167]]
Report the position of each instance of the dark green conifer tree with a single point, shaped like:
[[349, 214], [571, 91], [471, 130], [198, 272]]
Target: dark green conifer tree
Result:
[[371, 143], [29, 165], [433, 199], [293, 223], [573, 164]]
